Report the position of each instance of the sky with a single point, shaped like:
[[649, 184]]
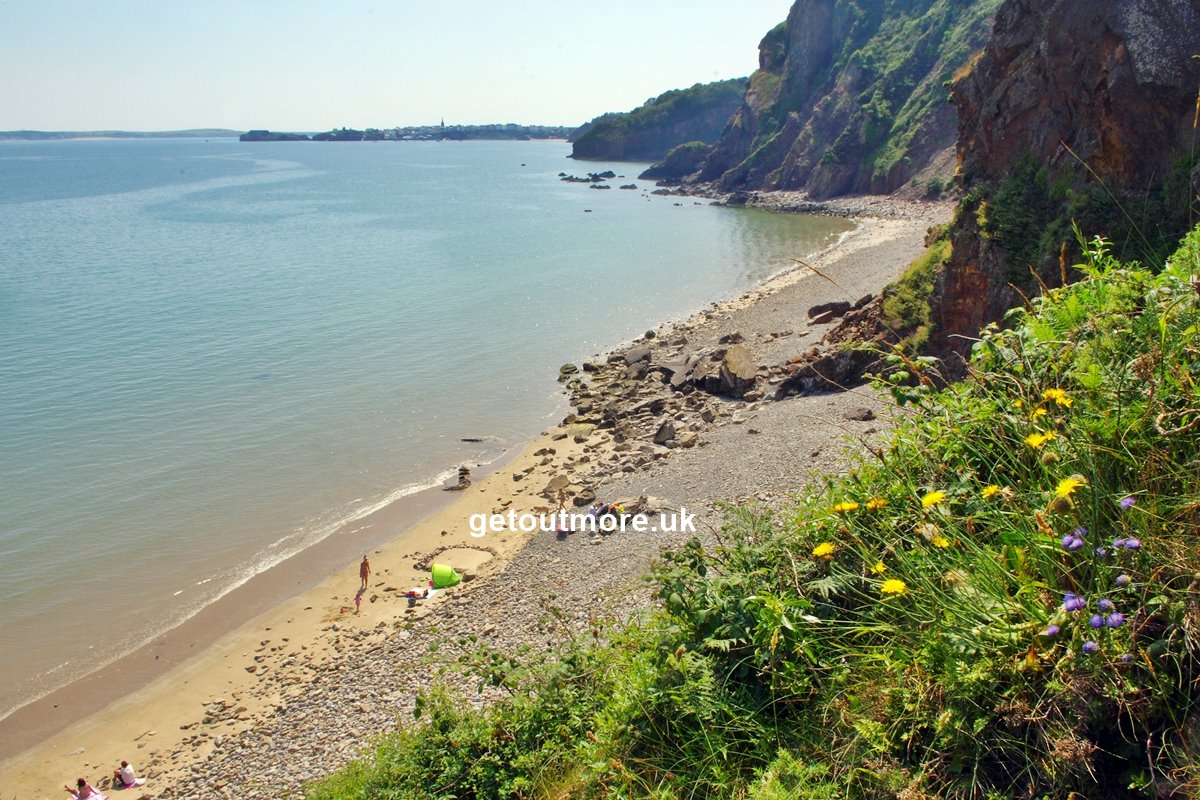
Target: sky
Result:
[[313, 65]]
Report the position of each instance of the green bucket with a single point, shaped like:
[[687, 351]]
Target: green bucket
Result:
[[444, 576]]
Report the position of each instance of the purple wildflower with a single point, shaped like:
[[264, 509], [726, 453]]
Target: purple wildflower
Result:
[[1096, 621], [1105, 605], [1079, 532], [1114, 620], [1090, 647], [1072, 602], [1124, 580], [1127, 502], [1119, 543], [1126, 657], [1051, 631], [1071, 542], [1101, 551], [1133, 544]]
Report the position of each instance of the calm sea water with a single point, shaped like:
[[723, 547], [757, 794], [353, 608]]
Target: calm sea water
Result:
[[212, 353]]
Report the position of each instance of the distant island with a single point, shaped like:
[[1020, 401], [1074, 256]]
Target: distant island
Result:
[[417, 133], [191, 133]]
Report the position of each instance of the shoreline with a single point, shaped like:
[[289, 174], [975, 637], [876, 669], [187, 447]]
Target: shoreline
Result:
[[41, 718], [308, 627]]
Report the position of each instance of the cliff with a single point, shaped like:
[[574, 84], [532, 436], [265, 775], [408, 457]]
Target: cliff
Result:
[[673, 118], [849, 97], [1052, 133]]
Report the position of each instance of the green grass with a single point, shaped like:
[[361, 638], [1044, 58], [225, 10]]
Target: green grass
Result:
[[906, 302], [998, 602]]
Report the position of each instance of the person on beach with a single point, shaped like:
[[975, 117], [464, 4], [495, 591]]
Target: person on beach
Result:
[[364, 571], [125, 776], [83, 789], [358, 601]]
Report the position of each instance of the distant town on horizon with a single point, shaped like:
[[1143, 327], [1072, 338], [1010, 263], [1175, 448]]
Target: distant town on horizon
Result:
[[508, 130]]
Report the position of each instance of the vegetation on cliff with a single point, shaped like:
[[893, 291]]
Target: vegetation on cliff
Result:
[[850, 96], [661, 123], [999, 602], [1054, 135]]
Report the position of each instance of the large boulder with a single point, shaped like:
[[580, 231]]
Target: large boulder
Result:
[[739, 372]]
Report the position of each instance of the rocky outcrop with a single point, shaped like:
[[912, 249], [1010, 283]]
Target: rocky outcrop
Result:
[[647, 133], [1073, 105], [849, 97]]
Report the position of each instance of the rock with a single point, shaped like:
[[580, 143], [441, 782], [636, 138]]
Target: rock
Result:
[[732, 338], [1083, 115], [819, 372], [567, 369], [585, 497], [688, 439], [738, 372], [463, 481], [665, 433], [637, 354], [828, 311], [861, 414]]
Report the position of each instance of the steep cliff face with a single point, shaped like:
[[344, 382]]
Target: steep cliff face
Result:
[[673, 118], [850, 96], [1078, 110]]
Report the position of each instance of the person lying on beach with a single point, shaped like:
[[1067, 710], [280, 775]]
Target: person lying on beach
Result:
[[124, 777], [84, 790], [417, 594]]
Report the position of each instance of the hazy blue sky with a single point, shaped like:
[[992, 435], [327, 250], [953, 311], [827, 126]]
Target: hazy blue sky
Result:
[[310, 65]]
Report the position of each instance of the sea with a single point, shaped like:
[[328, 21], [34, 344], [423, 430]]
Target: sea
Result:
[[215, 353]]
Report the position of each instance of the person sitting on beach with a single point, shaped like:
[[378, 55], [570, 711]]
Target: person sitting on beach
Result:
[[84, 790], [123, 776]]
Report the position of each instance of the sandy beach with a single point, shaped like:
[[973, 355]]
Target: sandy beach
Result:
[[282, 681]]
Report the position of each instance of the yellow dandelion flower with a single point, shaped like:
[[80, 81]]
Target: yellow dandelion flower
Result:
[[932, 499], [844, 506], [1038, 413], [937, 540], [879, 567], [894, 586], [1037, 440], [1058, 396], [990, 491], [876, 503], [824, 550], [1018, 403], [1068, 485]]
